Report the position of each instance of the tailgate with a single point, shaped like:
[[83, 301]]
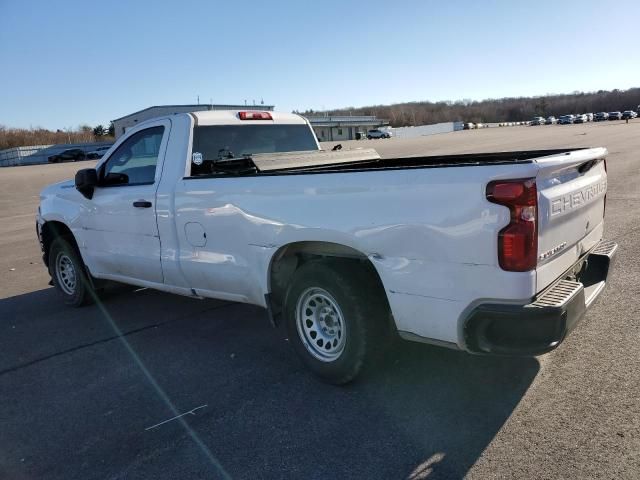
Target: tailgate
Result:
[[571, 199]]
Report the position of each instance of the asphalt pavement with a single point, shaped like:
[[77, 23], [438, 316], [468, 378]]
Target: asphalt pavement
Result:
[[147, 385]]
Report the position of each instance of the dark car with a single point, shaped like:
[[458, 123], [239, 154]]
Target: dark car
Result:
[[98, 152], [72, 154], [601, 117], [615, 116]]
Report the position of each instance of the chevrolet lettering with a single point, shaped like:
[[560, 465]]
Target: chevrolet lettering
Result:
[[573, 200]]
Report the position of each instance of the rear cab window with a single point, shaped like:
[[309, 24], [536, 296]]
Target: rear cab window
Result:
[[223, 142]]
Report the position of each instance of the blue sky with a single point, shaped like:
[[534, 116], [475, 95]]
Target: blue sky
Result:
[[70, 62]]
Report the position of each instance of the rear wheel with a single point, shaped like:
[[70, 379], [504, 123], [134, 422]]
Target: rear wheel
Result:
[[68, 273], [332, 321]]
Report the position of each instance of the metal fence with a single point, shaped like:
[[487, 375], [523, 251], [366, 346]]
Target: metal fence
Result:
[[36, 154]]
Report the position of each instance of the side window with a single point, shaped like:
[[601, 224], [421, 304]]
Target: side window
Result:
[[134, 162]]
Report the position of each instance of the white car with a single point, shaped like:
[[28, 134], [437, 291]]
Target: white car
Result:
[[494, 253], [375, 133], [537, 121], [580, 118]]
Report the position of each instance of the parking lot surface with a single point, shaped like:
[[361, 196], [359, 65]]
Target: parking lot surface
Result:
[[94, 392]]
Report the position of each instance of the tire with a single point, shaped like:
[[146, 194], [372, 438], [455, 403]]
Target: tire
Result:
[[333, 317], [369, 137], [68, 273]]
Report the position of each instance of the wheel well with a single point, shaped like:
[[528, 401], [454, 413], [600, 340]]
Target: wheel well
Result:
[[290, 257], [52, 230]]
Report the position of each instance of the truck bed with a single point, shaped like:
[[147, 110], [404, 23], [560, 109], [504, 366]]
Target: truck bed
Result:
[[368, 159]]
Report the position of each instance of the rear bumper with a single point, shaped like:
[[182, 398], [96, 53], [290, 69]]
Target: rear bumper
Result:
[[540, 326]]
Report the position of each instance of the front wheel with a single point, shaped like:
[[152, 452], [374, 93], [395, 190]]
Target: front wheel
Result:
[[333, 318], [68, 274]]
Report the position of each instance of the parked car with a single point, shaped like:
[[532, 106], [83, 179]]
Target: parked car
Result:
[[98, 152], [566, 119], [580, 118], [601, 117], [629, 114], [469, 126], [375, 133], [551, 120], [72, 154], [589, 117], [350, 268], [615, 115], [537, 121]]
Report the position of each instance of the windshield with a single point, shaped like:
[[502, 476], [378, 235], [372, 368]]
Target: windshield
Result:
[[220, 142]]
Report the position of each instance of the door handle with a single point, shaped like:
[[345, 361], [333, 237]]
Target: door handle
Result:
[[142, 204]]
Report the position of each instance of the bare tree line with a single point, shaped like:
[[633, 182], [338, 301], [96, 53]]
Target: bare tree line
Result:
[[19, 137], [497, 110]]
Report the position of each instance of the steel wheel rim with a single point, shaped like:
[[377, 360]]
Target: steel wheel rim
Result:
[[66, 273], [320, 324]]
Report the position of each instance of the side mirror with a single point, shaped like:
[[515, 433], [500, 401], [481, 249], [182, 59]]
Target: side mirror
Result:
[[86, 181]]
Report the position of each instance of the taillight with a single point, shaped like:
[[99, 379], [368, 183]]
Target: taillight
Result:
[[518, 241], [255, 116]]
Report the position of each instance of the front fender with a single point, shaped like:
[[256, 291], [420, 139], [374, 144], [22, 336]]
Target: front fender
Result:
[[64, 204]]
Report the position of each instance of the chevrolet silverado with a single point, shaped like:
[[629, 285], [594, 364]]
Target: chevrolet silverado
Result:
[[491, 253]]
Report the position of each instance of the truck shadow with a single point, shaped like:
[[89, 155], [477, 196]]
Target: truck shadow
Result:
[[443, 406], [423, 412]]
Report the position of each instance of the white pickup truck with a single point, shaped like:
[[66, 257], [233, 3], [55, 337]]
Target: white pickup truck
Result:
[[492, 253]]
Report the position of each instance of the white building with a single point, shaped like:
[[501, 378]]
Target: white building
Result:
[[343, 127], [123, 123]]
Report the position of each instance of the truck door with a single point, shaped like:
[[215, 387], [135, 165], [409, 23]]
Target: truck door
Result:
[[121, 230]]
